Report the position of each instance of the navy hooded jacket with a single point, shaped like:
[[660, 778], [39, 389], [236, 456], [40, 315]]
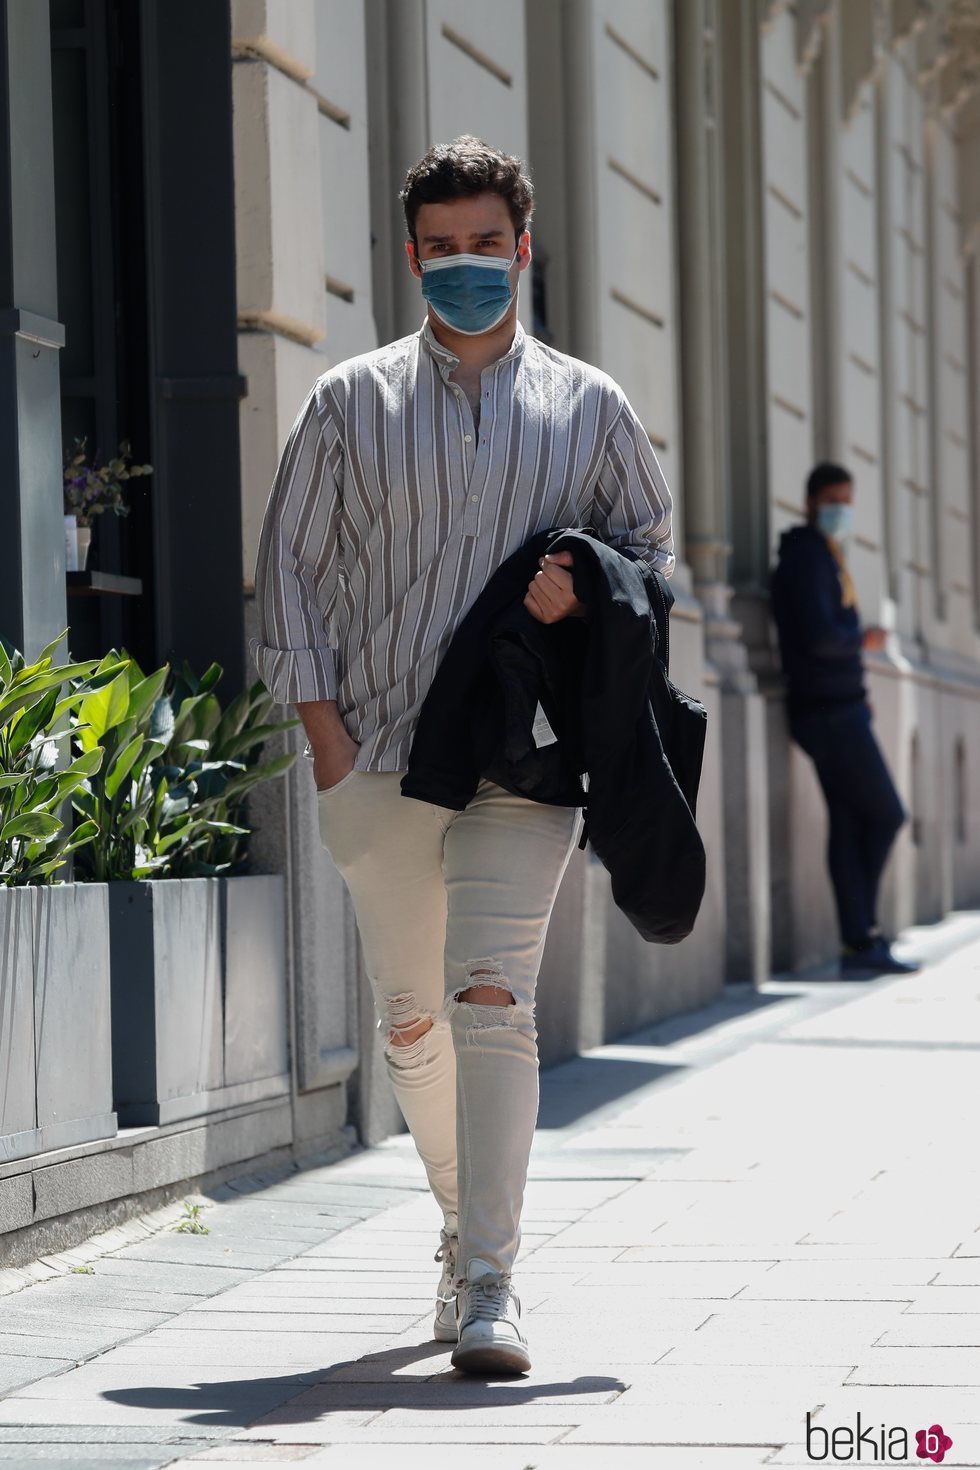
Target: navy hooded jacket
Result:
[[819, 638]]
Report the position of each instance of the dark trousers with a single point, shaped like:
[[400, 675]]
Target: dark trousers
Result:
[[865, 810]]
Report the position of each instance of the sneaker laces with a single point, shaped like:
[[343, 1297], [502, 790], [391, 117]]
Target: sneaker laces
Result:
[[446, 1256], [487, 1297]]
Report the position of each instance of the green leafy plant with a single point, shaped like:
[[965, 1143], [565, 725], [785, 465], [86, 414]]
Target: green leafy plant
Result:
[[82, 1270], [168, 800], [34, 842], [191, 1222], [225, 764], [121, 716], [90, 490]]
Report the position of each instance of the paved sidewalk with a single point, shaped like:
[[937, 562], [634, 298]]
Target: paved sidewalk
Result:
[[763, 1210]]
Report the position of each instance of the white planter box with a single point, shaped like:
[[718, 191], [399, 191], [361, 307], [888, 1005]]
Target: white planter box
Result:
[[55, 1056], [198, 1018]]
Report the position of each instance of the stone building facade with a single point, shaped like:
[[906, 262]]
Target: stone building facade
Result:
[[762, 219]]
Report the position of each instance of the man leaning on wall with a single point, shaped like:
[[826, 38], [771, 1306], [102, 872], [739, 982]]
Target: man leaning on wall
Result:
[[821, 639]]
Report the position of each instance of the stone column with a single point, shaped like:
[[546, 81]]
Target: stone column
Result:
[[398, 122], [32, 558], [702, 237], [282, 290], [827, 349]]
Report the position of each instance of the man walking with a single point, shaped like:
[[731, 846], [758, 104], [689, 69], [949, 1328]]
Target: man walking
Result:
[[820, 639], [410, 474]]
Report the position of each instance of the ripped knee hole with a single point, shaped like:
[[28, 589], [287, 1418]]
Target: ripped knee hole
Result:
[[486, 995], [412, 1031], [490, 992]]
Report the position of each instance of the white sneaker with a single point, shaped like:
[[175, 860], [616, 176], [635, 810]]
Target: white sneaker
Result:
[[444, 1328], [490, 1336]]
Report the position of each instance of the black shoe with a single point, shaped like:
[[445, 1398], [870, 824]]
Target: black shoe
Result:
[[859, 964], [889, 964], [873, 959]]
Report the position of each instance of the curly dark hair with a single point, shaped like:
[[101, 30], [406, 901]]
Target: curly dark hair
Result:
[[462, 168]]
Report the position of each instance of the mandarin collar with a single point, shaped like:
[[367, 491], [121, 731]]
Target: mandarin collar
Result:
[[448, 360]]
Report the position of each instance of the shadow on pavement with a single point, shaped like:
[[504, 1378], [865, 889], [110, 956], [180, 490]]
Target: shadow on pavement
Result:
[[734, 1001], [574, 1089], [233, 1404], [571, 1090], [371, 1383]]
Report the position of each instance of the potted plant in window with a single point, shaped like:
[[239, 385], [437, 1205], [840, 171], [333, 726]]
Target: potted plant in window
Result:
[[91, 490], [54, 935], [197, 944]]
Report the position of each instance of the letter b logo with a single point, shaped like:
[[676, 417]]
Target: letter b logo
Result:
[[815, 1434]]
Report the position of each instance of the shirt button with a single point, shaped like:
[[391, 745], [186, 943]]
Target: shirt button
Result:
[[467, 438], [474, 497]]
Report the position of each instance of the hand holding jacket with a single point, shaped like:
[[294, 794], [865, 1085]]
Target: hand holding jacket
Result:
[[551, 591]]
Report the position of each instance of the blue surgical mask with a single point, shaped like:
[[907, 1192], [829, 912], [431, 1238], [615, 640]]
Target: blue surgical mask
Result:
[[469, 293], [835, 520]]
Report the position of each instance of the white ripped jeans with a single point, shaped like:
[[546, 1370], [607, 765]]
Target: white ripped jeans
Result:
[[446, 901]]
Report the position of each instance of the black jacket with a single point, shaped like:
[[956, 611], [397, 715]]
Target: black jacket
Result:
[[819, 638], [601, 681]]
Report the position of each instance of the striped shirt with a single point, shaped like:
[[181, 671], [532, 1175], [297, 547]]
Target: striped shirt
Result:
[[390, 510]]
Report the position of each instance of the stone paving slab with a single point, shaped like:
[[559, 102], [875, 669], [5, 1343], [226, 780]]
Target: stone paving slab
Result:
[[102, 1326], [254, 1455], [79, 1434], [478, 1457], [320, 1353], [304, 1309], [935, 1367], [504, 1457], [842, 1280], [444, 1392], [97, 1413], [106, 1300], [189, 1280], [958, 1272], [771, 1217], [676, 1384], [709, 1279], [197, 1251], [128, 1379], [258, 1324], [934, 1330], [945, 1299], [16, 1370], [68, 1346], [121, 1457], [433, 1431], [673, 1457]]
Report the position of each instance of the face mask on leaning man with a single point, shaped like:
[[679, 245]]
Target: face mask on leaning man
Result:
[[835, 520], [470, 293]]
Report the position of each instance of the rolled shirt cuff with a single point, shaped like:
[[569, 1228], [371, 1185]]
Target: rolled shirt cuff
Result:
[[662, 561], [295, 675], [657, 557]]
